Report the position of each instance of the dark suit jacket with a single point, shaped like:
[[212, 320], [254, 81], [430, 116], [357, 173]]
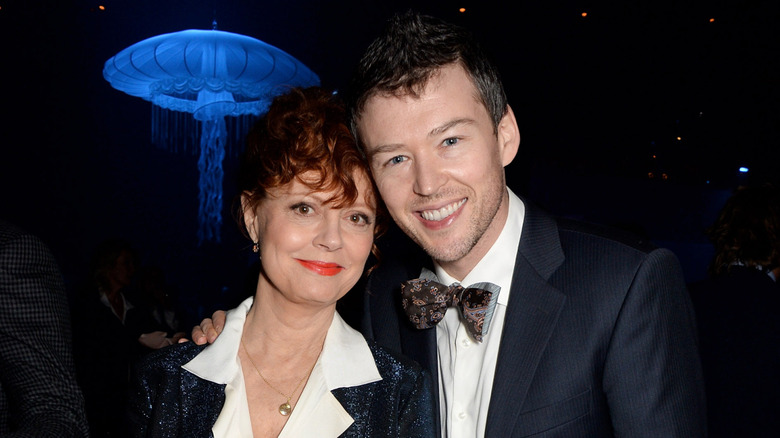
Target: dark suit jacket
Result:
[[168, 401], [39, 396], [598, 340], [739, 328]]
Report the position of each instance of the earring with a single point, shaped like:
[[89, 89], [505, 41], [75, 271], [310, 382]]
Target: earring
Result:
[[256, 248]]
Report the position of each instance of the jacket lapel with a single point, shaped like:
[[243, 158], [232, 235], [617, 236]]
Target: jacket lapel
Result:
[[531, 317], [420, 345], [203, 404]]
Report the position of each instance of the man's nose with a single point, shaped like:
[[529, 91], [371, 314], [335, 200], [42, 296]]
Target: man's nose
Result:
[[428, 176]]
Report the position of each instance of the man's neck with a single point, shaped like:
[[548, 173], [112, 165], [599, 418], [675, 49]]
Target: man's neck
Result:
[[460, 268]]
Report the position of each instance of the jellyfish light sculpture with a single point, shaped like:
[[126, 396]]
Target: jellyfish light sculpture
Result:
[[199, 78]]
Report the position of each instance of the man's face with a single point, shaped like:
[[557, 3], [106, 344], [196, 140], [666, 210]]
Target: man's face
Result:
[[439, 166]]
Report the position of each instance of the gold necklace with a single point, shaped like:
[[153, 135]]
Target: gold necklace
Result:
[[284, 408]]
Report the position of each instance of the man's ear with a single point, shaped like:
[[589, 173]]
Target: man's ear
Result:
[[508, 136], [250, 217]]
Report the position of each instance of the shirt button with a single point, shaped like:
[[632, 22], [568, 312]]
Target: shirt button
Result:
[[465, 342], [461, 415]]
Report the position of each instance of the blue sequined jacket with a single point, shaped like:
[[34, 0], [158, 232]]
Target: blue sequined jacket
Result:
[[168, 401]]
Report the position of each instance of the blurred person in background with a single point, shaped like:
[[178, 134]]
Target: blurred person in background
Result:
[[738, 312]]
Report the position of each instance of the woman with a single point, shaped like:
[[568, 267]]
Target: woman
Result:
[[286, 364]]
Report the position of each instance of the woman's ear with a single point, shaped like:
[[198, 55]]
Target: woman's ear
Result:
[[250, 217]]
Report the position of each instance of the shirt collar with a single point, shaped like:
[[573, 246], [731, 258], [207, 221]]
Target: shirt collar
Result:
[[346, 359], [218, 362], [498, 264], [126, 305]]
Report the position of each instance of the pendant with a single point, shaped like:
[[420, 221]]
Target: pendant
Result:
[[285, 409]]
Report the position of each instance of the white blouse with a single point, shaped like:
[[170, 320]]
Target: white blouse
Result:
[[345, 361]]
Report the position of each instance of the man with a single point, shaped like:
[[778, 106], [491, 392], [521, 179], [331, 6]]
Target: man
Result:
[[592, 336], [39, 396]]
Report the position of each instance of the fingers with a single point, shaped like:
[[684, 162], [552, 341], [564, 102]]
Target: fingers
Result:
[[218, 320], [209, 332], [209, 329], [198, 335]]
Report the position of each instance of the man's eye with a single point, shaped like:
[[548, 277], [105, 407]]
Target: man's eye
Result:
[[450, 141], [398, 159]]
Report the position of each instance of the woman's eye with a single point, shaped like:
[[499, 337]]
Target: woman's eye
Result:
[[359, 219], [450, 141], [397, 159], [302, 208]]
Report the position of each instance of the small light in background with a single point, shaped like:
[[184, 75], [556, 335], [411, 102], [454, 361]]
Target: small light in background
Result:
[[743, 169], [654, 156], [102, 8], [584, 14], [712, 20], [679, 138], [462, 10], [664, 176], [650, 175]]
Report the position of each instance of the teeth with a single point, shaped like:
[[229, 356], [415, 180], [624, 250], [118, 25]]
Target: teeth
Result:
[[437, 215]]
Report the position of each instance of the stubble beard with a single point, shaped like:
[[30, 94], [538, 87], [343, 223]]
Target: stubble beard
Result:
[[479, 222]]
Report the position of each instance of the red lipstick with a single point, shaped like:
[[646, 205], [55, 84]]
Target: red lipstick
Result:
[[322, 268]]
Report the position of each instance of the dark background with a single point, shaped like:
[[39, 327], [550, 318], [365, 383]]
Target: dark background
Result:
[[600, 101]]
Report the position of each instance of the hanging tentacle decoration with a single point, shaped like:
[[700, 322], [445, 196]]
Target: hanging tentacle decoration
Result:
[[202, 77], [212, 152]]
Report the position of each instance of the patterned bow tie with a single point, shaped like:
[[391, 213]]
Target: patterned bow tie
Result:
[[425, 301]]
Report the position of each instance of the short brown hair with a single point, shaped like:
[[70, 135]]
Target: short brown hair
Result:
[[411, 50]]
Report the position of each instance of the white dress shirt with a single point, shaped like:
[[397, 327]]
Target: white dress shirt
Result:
[[464, 406], [345, 361]]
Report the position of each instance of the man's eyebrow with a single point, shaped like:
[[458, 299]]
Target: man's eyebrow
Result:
[[452, 123], [393, 147], [382, 149]]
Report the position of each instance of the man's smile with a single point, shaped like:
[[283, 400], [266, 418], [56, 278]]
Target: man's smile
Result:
[[443, 212]]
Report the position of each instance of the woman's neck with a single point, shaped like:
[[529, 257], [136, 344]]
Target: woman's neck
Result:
[[280, 346], [280, 330]]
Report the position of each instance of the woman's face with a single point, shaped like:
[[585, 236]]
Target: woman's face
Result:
[[311, 251]]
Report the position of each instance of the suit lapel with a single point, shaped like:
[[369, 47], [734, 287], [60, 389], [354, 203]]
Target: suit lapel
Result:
[[530, 320], [531, 316]]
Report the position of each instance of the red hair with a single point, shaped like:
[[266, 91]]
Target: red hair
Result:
[[304, 131]]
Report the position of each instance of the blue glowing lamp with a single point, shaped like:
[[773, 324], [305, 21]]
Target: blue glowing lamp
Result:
[[197, 79]]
